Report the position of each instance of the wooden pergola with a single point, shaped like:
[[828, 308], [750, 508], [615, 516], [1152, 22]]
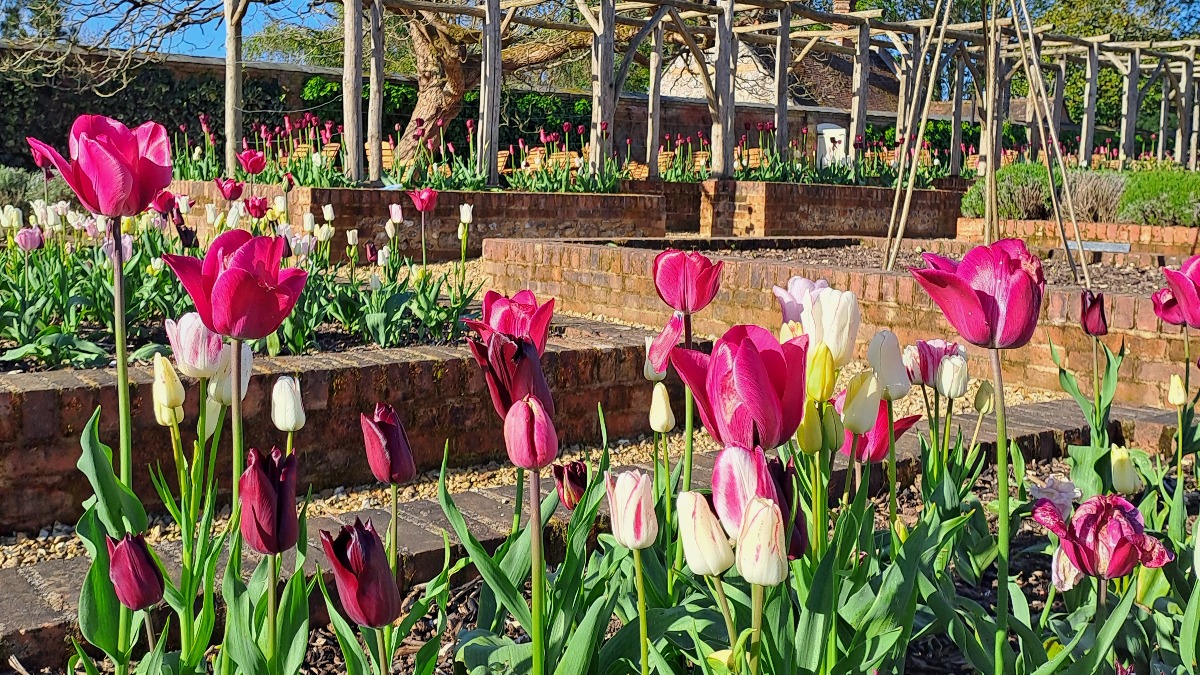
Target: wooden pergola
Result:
[[907, 47]]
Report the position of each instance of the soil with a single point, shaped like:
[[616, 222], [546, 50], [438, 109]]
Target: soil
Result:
[[1105, 277]]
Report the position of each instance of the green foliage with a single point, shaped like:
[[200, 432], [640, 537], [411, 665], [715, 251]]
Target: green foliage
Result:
[[1023, 193], [1162, 197], [19, 187]]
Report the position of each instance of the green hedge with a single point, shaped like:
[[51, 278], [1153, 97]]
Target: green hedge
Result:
[[1163, 197]]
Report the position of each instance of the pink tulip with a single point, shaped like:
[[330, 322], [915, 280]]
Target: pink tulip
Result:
[[529, 435], [659, 352], [687, 282], [1184, 286], [1105, 538], [29, 239], [929, 355], [424, 199], [253, 162], [114, 171], [631, 509], [239, 289], [518, 316], [873, 445], [230, 189], [750, 391], [740, 475], [993, 297], [798, 296], [164, 203], [197, 349], [1166, 307]]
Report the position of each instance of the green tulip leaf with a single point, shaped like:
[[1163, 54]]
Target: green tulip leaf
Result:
[[117, 507]]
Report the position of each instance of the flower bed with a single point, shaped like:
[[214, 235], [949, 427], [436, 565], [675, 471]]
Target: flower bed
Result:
[[1179, 241], [756, 209]]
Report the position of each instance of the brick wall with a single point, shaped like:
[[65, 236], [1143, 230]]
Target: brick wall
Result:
[[1141, 238], [681, 201], [744, 208], [496, 214], [616, 282], [438, 391]]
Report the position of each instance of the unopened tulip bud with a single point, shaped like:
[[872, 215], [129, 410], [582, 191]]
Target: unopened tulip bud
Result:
[[952, 376], [168, 390], [901, 530], [168, 417], [1125, 476], [390, 230], [280, 203], [985, 398], [327, 212], [210, 214], [822, 376], [529, 435], [134, 572], [705, 545], [395, 217], [886, 360], [662, 419], [462, 231], [287, 409], [310, 223], [631, 509], [761, 549], [833, 434], [648, 370], [808, 434], [571, 480], [1177, 394], [861, 407], [352, 237]]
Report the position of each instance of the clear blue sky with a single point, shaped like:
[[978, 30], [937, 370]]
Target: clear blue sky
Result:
[[209, 40]]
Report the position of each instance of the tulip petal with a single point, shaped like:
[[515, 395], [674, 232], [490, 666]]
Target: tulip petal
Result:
[[1046, 514], [660, 348], [739, 475], [937, 262], [692, 367], [188, 269], [1187, 295], [959, 302]]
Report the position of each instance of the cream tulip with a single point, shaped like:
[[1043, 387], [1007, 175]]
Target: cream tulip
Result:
[[761, 551], [860, 408], [833, 318], [1177, 394], [648, 370], [662, 419], [327, 213], [220, 387], [1125, 477], [287, 408], [705, 545], [167, 389], [888, 363], [822, 375], [952, 377]]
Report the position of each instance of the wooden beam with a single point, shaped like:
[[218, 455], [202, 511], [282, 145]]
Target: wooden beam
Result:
[[1194, 145], [1091, 90], [1164, 107], [783, 76], [701, 62], [352, 83], [491, 82], [589, 16], [604, 94], [1184, 102], [654, 102], [634, 43], [375, 102], [1058, 97], [956, 135], [723, 133], [1036, 142], [1130, 102], [859, 86]]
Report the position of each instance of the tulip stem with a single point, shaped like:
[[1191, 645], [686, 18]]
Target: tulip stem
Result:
[[756, 616], [1096, 417], [689, 412], [150, 631], [291, 442], [239, 456], [643, 626], [946, 437], [516, 524], [723, 602], [123, 405], [272, 607], [892, 506], [124, 625], [394, 535], [820, 528], [1001, 638], [538, 573]]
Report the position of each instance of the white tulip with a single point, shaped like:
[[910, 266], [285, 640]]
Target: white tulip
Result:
[[352, 237], [390, 230], [210, 214], [662, 419], [327, 212], [310, 223], [324, 232], [220, 387], [465, 214], [833, 318], [952, 376], [648, 370], [184, 203], [886, 360], [761, 548], [287, 408], [705, 545]]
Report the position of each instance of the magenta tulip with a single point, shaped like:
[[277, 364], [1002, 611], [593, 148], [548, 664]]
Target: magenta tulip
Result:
[[366, 587], [239, 289], [388, 450], [424, 199], [229, 188], [529, 435], [1091, 313], [512, 370], [1166, 307], [686, 281], [134, 572], [163, 203], [571, 480], [993, 297], [740, 475], [29, 239], [750, 391], [257, 207], [268, 493], [873, 445], [518, 316], [114, 171], [1105, 538], [659, 352], [1184, 285], [253, 162]]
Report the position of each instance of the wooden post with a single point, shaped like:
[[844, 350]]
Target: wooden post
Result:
[[956, 134], [352, 82], [604, 92], [1087, 126], [491, 79], [1187, 96], [233, 83], [1033, 130], [1194, 146], [654, 103], [783, 72], [723, 134], [1130, 101], [375, 102], [1056, 103], [1164, 107], [860, 81]]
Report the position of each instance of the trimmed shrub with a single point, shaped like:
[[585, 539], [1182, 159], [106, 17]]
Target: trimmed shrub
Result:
[[1166, 197], [1096, 194], [1023, 193]]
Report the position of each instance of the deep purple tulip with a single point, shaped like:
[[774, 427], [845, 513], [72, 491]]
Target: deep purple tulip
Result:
[[268, 494], [1091, 313], [388, 449], [512, 370], [366, 587], [134, 573], [571, 479]]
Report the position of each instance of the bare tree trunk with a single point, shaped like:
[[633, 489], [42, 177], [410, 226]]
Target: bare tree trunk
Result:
[[234, 10], [441, 83]]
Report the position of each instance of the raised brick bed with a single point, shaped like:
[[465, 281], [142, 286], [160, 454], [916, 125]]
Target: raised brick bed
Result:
[[615, 281], [1179, 241], [756, 209], [496, 214], [680, 200], [439, 392]]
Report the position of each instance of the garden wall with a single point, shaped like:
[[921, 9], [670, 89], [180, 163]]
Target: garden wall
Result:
[[615, 282], [496, 214], [439, 392], [1141, 238], [758, 209], [681, 201]]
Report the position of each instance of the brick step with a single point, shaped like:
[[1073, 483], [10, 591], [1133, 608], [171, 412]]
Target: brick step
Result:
[[38, 602]]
